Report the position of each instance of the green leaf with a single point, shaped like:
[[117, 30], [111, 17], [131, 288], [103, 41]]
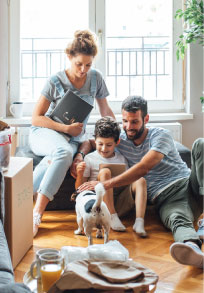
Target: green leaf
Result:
[[193, 17], [177, 55], [182, 51]]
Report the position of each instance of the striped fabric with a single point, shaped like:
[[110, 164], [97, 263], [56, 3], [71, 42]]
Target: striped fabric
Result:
[[169, 170]]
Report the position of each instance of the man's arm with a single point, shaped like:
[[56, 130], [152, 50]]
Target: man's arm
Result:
[[150, 160]]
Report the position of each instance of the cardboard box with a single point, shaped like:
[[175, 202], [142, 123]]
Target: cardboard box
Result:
[[19, 207]]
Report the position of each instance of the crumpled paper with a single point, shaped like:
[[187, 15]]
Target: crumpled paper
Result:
[[90, 275]]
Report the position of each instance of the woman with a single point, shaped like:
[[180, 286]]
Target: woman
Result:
[[52, 139]]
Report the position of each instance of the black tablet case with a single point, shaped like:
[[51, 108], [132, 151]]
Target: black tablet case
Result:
[[71, 109]]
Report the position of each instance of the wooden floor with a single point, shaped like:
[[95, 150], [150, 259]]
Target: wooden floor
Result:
[[57, 230]]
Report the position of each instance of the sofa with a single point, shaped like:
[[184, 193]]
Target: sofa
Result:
[[7, 282], [62, 198]]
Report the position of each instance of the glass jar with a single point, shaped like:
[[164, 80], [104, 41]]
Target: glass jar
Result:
[[5, 148]]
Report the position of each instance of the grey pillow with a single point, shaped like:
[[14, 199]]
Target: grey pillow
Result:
[[14, 288], [26, 152]]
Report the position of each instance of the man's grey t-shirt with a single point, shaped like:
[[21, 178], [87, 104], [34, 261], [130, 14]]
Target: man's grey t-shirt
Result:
[[51, 93], [170, 169]]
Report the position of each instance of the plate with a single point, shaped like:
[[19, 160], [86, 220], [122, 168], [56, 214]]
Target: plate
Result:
[[31, 283]]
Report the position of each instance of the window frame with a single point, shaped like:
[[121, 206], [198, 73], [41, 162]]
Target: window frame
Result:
[[176, 105], [97, 24]]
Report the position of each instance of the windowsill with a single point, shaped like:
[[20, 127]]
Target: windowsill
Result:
[[154, 117]]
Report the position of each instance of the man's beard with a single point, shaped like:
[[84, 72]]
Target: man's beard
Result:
[[138, 133]]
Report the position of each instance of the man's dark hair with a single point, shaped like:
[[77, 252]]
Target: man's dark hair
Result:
[[135, 103], [107, 127]]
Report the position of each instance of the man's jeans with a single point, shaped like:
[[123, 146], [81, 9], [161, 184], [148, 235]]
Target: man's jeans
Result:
[[181, 204]]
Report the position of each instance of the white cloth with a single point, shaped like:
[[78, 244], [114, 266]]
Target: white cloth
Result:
[[113, 250]]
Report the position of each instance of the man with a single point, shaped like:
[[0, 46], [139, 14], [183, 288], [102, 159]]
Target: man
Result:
[[176, 190]]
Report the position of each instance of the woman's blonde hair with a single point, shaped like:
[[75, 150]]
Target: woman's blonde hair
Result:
[[84, 42]]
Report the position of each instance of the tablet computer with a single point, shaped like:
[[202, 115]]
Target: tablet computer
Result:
[[71, 109], [116, 168]]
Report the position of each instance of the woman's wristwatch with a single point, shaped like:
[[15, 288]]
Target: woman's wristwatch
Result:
[[80, 152]]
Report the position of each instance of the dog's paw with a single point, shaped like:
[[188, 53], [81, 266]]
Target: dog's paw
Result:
[[78, 232], [99, 234]]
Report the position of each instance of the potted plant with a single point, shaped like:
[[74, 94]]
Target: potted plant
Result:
[[202, 103], [193, 18]]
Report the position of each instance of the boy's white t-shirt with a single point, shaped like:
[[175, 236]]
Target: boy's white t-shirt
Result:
[[94, 159]]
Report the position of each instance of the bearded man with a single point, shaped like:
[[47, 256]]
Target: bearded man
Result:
[[175, 190]]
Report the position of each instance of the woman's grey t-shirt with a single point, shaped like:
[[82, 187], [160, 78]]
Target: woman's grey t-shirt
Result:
[[51, 93]]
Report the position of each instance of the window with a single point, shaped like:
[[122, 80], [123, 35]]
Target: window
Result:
[[136, 47], [44, 37]]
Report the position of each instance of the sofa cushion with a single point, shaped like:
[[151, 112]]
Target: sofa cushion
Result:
[[62, 197], [184, 152], [6, 278], [14, 288], [6, 268], [26, 152]]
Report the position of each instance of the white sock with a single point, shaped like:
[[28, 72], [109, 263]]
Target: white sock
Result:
[[138, 227], [116, 224], [191, 242]]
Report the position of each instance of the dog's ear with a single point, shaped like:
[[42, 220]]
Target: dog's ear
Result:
[[74, 195]]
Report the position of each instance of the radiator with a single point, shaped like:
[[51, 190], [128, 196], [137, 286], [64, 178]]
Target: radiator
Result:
[[22, 137], [174, 127]]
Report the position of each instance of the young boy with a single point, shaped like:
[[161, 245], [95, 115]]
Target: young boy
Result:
[[107, 132]]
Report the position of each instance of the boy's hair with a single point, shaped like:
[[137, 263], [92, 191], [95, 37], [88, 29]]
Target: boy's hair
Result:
[[107, 127], [135, 103]]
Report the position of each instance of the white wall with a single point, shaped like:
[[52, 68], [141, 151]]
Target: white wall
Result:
[[192, 129], [3, 56]]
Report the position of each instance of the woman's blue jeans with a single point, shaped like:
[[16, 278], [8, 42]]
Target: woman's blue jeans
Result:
[[58, 156]]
